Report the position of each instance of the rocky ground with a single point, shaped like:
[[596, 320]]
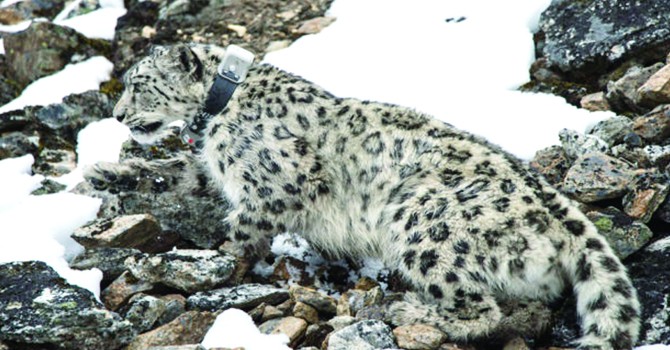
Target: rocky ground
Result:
[[155, 297]]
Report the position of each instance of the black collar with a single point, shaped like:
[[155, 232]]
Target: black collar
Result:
[[219, 94]]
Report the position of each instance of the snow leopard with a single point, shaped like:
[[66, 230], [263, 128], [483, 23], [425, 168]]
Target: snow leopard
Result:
[[464, 222]]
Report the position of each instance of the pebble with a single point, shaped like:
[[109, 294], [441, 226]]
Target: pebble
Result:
[[293, 327], [316, 334], [595, 102], [109, 260], [127, 231], [625, 235], [189, 328], [623, 93], [419, 336], [143, 311], [306, 312], [612, 130], [354, 300], [245, 296], [187, 270], [363, 335], [597, 176], [323, 303], [647, 194], [576, 144], [314, 25], [656, 90], [552, 163], [654, 127], [125, 286]]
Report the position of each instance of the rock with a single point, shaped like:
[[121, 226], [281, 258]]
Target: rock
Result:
[[454, 346], [636, 156], [84, 7], [277, 45], [187, 270], [143, 311], [355, 300], [188, 328], [583, 38], [306, 312], [323, 303], [45, 48], [552, 163], [128, 231], [108, 260], [624, 235], [339, 322], [48, 186], [576, 144], [516, 344], [269, 312], [55, 162], [654, 127], [16, 144], [659, 156], [175, 305], [316, 334], [656, 90], [39, 307], [419, 336], [315, 25], [623, 93], [597, 176], [29, 9], [244, 296], [663, 212], [612, 130], [179, 347], [364, 335], [595, 102], [649, 273], [293, 327], [125, 286], [647, 193]]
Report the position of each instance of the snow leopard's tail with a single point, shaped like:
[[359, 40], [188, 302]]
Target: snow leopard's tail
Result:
[[606, 299]]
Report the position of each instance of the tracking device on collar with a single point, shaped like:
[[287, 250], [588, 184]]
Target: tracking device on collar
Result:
[[231, 72]]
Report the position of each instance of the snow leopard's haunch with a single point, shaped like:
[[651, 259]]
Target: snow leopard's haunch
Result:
[[466, 223]]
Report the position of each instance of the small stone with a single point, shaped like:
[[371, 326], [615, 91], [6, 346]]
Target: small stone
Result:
[[647, 194], [109, 260], [128, 231], [187, 270], [175, 305], [286, 306], [316, 334], [188, 328], [636, 156], [366, 283], [552, 163], [663, 211], [623, 93], [306, 312], [364, 335], [270, 312], [293, 327], [624, 235], [419, 336], [179, 347], [595, 102], [354, 300], [238, 29], [48, 186], [612, 130], [516, 344], [315, 25], [143, 311], [339, 322], [656, 90], [122, 289], [659, 156], [597, 176], [277, 45], [148, 32], [55, 162], [654, 126], [41, 308], [244, 296], [576, 144], [323, 303]]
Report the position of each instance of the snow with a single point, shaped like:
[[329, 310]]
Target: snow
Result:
[[464, 73], [74, 78], [235, 329], [460, 60]]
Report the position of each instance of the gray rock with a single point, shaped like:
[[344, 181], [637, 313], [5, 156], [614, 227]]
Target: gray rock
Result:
[[625, 235], [108, 260], [656, 90], [576, 144], [189, 328], [419, 337], [48, 186], [245, 296], [121, 289], [55, 162], [15, 144], [355, 300], [612, 130], [364, 335], [293, 327], [341, 321], [595, 102], [552, 163], [597, 176], [654, 127], [316, 334], [636, 156], [586, 37], [30, 9], [623, 93], [175, 305], [144, 311], [186, 269], [45, 48], [128, 231], [659, 156], [39, 307], [321, 302]]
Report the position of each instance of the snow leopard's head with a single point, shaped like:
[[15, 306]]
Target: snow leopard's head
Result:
[[168, 85]]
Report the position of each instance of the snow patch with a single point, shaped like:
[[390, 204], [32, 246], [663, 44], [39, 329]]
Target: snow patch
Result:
[[235, 329]]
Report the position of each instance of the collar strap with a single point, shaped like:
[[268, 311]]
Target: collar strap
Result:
[[231, 72]]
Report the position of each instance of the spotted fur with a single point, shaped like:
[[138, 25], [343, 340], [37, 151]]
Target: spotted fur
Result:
[[466, 223]]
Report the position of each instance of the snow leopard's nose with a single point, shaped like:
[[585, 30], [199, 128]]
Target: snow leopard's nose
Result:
[[119, 117]]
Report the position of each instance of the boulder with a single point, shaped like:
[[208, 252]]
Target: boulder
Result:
[[245, 296]]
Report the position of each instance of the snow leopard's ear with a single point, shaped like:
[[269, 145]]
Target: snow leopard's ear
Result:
[[188, 60]]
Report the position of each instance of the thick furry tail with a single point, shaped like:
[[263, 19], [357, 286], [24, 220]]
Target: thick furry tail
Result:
[[606, 300]]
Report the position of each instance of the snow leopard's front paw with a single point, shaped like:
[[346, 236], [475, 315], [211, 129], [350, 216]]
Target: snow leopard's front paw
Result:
[[111, 177]]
